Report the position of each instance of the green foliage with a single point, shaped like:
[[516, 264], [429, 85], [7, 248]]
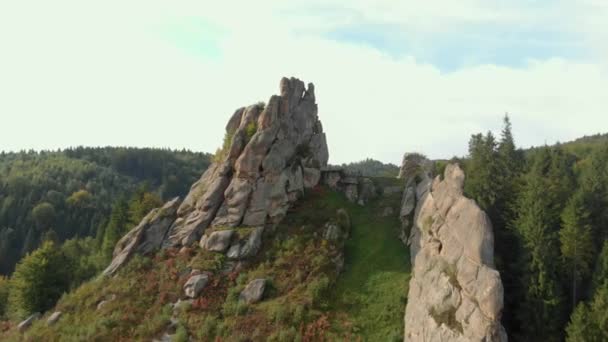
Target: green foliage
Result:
[[141, 204], [72, 191], [600, 275], [4, 290], [181, 334], [80, 198], [38, 281], [222, 152], [317, 288], [251, 129], [372, 168], [589, 323], [576, 242], [117, 226]]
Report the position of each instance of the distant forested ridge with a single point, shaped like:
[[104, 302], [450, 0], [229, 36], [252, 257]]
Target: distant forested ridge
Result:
[[372, 168], [71, 193]]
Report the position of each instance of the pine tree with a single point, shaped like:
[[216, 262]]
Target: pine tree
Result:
[[581, 327], [540, 310], [482, 170], [600, 273], [576, 242], [119, 220]]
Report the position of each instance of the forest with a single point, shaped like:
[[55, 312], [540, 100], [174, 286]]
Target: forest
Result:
[[549, 210], [71, 193]]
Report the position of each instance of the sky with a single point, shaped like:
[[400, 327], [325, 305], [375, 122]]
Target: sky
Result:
[[390, 76]]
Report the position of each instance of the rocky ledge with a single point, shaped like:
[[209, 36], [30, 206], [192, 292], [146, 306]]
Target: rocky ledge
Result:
[[455, 293]]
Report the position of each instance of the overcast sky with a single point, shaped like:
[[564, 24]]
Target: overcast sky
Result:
[[390, 76]]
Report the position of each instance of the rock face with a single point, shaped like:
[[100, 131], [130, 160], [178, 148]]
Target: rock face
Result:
[[146, 237], [217, 241], [455, 294], [261, 170], [271, 154]]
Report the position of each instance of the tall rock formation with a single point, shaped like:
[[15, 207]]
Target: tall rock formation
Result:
[[270, 155], [455, 293]]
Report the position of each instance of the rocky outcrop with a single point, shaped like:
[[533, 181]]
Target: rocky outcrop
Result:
[[271, 154], [146, 237], [267, 152], [357, 189], [455, 293], [217, 241]]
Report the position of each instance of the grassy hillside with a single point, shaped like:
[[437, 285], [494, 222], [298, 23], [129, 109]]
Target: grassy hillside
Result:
[[307, 300]]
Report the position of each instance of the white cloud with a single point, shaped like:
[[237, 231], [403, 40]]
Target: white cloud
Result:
[[73, 73]]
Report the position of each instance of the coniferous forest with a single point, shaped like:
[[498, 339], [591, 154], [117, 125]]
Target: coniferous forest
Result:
[[549, 210]]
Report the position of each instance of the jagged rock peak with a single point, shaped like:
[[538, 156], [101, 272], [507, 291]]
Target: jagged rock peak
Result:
[[455, 293], [271, 153]]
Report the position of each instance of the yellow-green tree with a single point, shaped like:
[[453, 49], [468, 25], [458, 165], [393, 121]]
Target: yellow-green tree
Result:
[[38, 281]]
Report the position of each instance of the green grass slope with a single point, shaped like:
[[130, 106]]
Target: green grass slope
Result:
[[371, 293]]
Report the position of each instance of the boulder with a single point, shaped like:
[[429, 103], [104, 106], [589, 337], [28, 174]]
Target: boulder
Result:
[[195, 284], [27, 323], [54, 318], [247, 248], [455, 294], [253, 292], [217, 241]]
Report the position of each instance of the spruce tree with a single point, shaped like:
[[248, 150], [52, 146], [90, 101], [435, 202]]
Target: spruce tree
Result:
[[576, 243], [540, 310], [117, 226]]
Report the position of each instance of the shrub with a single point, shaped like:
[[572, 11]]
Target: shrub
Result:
[[251, 129], [316, 288], [181, 334], [209, 327]]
